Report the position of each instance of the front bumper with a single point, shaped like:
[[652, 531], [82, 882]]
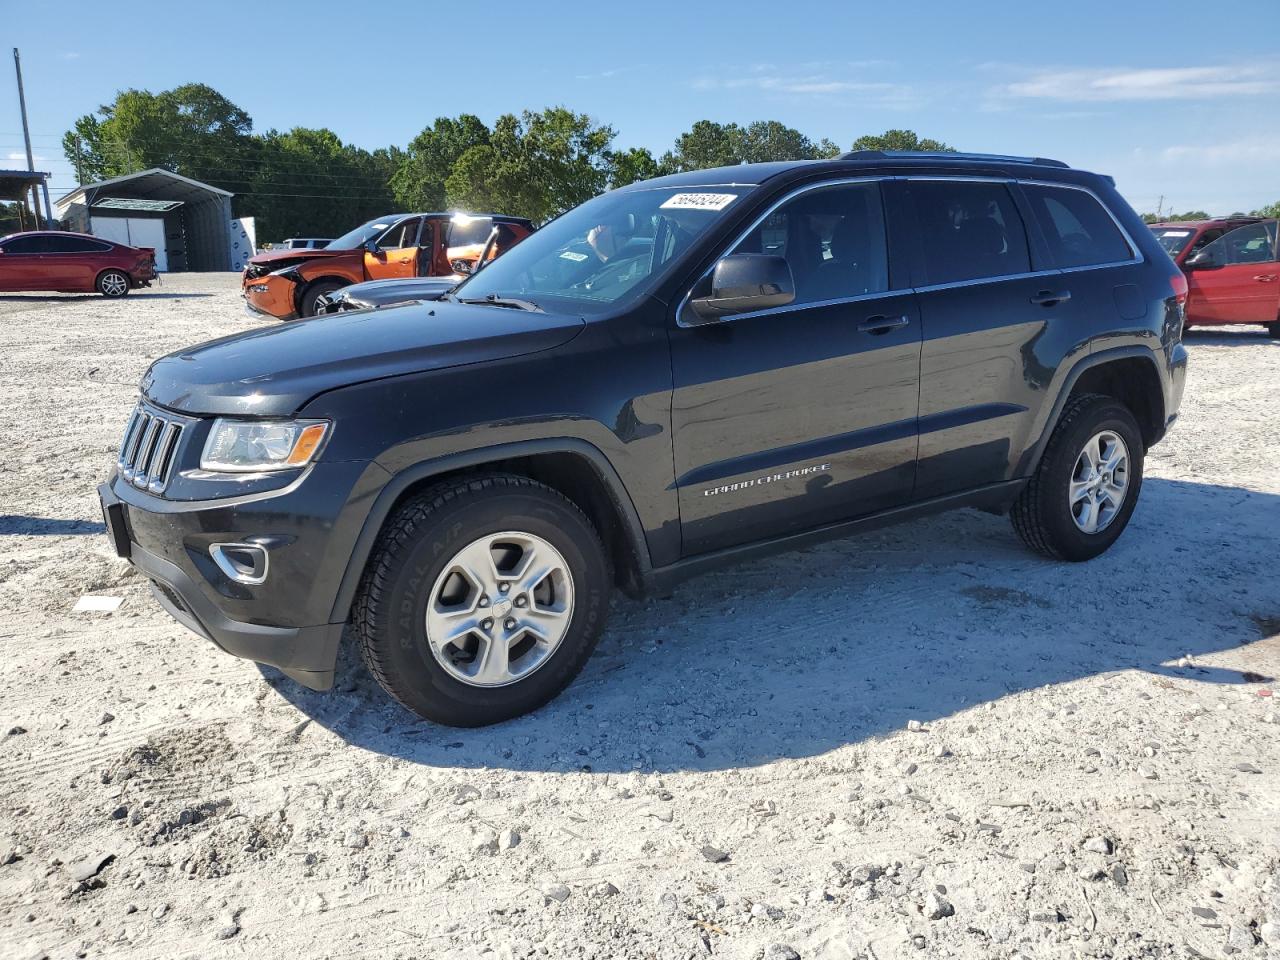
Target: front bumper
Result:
[[309, 530], [276, 299]]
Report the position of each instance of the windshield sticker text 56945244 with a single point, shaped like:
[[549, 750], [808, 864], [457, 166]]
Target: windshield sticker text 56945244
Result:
[[699, 201]]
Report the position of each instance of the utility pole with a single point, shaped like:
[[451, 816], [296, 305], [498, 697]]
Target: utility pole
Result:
[[79, 163], [26, 136]]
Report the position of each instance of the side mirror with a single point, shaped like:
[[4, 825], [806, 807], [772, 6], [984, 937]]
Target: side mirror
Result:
[[371, 246], [1204, 260], [462, 266], [743, 282]]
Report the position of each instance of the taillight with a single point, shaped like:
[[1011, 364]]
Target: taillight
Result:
[[1180, 288]]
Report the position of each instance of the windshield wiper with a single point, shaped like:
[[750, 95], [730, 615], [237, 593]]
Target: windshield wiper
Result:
[[494, 300]]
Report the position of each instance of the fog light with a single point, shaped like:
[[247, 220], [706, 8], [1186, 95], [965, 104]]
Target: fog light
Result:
[[241, 562], [259, 287]]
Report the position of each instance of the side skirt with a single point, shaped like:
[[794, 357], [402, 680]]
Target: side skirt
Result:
[[993, 498]]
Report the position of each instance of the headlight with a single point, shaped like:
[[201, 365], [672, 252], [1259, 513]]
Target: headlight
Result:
[[252, 446], [259, 287]]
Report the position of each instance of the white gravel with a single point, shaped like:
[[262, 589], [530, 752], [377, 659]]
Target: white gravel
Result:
[[924, 742]]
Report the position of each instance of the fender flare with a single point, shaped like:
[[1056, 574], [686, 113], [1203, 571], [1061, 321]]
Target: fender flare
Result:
[[400, 482], [1031, 458]]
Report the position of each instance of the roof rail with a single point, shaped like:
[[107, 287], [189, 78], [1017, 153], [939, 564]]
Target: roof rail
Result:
[[946, 155]]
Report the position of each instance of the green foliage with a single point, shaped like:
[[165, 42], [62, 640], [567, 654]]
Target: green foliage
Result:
[[1175, 217], [307, 182], [1271, 210], [901, 140], [711, 144], [419, 180], [536, 165], [630, 166]]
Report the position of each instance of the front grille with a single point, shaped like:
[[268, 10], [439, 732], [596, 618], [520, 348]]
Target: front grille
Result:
[[149, 449]]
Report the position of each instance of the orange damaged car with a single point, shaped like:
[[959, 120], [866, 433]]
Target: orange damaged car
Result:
[[287, 284]]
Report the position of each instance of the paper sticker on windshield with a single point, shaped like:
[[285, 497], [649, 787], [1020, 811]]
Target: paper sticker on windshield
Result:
[[1176, 233], [574, 256], [699, 201]]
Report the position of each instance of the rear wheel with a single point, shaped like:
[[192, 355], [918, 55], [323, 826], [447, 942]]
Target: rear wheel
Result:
[[1084, 491], [483, 600], [311, 296], [1273, 330], [113, 283]]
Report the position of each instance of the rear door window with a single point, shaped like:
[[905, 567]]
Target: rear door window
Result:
[[74, 245], [969, 230], [1078, 228]]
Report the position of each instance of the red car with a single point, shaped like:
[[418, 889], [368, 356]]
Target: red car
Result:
[[73, 263], [1232, 267]]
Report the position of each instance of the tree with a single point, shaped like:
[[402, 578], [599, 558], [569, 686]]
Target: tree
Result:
[[901, 140], [419, 181], [629, 166], [707, 144], [536, 165], [1270, 211], [308, 182], [1175, 217], [191, 129]]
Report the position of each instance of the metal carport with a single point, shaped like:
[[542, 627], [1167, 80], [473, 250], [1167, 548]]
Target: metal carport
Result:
[[17, 185], [196, 216]]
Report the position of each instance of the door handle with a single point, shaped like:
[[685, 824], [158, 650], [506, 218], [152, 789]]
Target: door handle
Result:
[[881, 324], [1047, 298], [1266, 278]]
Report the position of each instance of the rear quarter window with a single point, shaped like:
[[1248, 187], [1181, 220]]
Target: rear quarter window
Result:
[[1077, 227]]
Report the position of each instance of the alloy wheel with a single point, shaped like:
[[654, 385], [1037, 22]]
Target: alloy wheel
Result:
[[499, 609], [1099, 482], [114, 284]]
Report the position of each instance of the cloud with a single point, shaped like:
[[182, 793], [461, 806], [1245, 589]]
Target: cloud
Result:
[[15, 155], [1163, 83], [70, 55], [1251, 151], [767, 78]]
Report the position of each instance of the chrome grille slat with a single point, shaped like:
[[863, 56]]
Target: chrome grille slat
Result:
[[162, 462], [146, 452], [149, 449]]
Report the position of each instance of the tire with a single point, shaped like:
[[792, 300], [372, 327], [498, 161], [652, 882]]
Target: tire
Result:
[[113, 284], [1273, 330], [413, 573], [313, 292], [1045, 516]]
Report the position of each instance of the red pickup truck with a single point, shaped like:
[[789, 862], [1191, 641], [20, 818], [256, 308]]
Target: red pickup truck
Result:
[[1232, 268]]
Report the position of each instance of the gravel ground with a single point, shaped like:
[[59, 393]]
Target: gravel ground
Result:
[[923, 742]]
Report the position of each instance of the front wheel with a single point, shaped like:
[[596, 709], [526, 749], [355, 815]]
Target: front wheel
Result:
[[1083, 493], [483, 599], [312, 296], [113, 283]]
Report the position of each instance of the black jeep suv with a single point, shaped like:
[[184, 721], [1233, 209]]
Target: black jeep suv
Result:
[[676, 374]]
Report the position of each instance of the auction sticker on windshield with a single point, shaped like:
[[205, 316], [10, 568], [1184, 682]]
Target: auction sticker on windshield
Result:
[[699, 201]]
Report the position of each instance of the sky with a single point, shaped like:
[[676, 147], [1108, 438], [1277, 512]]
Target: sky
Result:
[[1179, 101]]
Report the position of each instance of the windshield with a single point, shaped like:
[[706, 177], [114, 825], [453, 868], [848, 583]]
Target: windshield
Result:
[[1174, 240], [601, 251], [366, 231]]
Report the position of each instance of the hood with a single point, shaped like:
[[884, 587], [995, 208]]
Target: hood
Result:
[[276, 370], [379, 293], [280, 257]]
